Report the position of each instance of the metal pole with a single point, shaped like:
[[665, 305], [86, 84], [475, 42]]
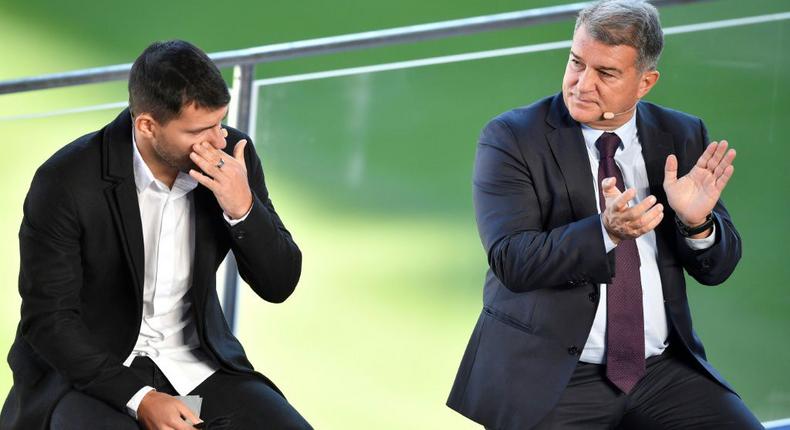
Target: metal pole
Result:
[[326, 45], [239, 118]]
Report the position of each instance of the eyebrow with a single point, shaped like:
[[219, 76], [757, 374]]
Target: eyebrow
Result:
[[199, 129], [601, 68]]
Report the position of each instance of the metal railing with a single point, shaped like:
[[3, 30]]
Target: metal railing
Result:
[[244, 61]]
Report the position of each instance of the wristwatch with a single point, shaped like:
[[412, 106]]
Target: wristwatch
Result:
[[687, 231]]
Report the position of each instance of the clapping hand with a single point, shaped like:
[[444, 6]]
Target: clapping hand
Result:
[[694, 195], [628, 222]]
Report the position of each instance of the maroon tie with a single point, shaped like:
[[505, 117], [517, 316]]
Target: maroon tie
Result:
[[625, 336]]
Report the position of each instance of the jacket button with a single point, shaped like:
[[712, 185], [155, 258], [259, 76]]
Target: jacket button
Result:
[[706, 263], [573, 350], [593, 297], [240, 234]]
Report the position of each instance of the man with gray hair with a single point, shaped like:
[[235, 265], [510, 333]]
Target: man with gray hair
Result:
[[590, 205]]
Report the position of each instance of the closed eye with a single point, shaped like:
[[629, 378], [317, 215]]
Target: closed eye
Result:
[[201, 130]]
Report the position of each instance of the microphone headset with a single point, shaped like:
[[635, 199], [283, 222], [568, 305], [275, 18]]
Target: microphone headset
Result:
[[612, 115]]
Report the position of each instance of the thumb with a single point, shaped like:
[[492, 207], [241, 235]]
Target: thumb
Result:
[[609, 188], [671, 170], [238, 151], [187, 413]]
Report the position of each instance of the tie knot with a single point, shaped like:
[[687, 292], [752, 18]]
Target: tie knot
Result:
[[607, 144]]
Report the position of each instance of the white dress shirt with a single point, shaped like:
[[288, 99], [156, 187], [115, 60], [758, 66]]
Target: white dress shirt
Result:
[[632, 165], [168, 334]]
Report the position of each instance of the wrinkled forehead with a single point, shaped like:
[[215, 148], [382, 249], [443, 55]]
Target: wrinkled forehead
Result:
[[597, 54]]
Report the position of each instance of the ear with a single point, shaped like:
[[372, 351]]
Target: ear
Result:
[[646, 82], [145, 125]]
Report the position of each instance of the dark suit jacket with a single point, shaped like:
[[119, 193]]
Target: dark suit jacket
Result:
[[81, 275], [537, 217]]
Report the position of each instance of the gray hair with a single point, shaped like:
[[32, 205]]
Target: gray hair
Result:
[[626, 22]]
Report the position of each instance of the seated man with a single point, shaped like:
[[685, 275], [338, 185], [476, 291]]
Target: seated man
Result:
[[122, 234], [592, 205]]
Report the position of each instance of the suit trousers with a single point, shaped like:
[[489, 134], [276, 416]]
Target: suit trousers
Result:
[[674, 394], [230, 401]]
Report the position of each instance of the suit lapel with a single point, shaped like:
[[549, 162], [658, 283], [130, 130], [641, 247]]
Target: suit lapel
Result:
[[567, 146], [656, 146], [122, 194], [203, 231]]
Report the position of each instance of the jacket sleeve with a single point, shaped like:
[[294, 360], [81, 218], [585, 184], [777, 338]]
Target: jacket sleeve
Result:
[[50, 282], [711, 266], [522, 253], [268, 259]]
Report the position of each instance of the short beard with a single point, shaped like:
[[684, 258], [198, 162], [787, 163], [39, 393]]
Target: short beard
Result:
[[183, 163]]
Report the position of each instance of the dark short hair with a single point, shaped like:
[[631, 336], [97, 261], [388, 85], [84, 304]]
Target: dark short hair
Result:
[[173, 74], [633, 23]]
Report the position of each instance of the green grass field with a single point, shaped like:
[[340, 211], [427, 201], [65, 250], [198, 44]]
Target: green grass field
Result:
[[372, 173]]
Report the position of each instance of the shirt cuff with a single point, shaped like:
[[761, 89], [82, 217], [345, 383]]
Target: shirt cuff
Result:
[[607, 240], [233, 222], [704, 243], [134, 402]]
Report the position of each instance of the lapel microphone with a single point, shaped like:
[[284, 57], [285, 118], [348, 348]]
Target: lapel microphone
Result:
[[611, 115]]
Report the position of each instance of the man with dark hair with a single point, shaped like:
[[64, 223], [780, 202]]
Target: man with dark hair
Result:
[[590, 205], [122, 234]]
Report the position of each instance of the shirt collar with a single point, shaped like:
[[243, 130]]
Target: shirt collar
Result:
[[143, 177], [142, 174], [626, 132]]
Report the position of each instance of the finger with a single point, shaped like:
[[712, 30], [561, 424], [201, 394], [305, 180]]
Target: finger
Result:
[[621, 202], [181, 425], [702, 161], [178, 421], [177, 425], [671, 170], [187, 413], [204, 180], [642, 207], [726, 161], [201, 161], [722, 180], [642, 224], [608, 183], [208, 151], [214, 156], [206, 165], [609, 188], [653, 223], [647, 218], [172, 423], [238, 151], [714, 161]]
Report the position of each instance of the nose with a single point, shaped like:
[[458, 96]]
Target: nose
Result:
[[217, 138], [586, 82]]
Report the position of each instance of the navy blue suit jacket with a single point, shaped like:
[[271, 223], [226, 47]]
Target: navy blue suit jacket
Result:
[[537, 218]]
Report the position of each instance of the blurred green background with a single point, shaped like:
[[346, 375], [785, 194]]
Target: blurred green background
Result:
[[372, 172]]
